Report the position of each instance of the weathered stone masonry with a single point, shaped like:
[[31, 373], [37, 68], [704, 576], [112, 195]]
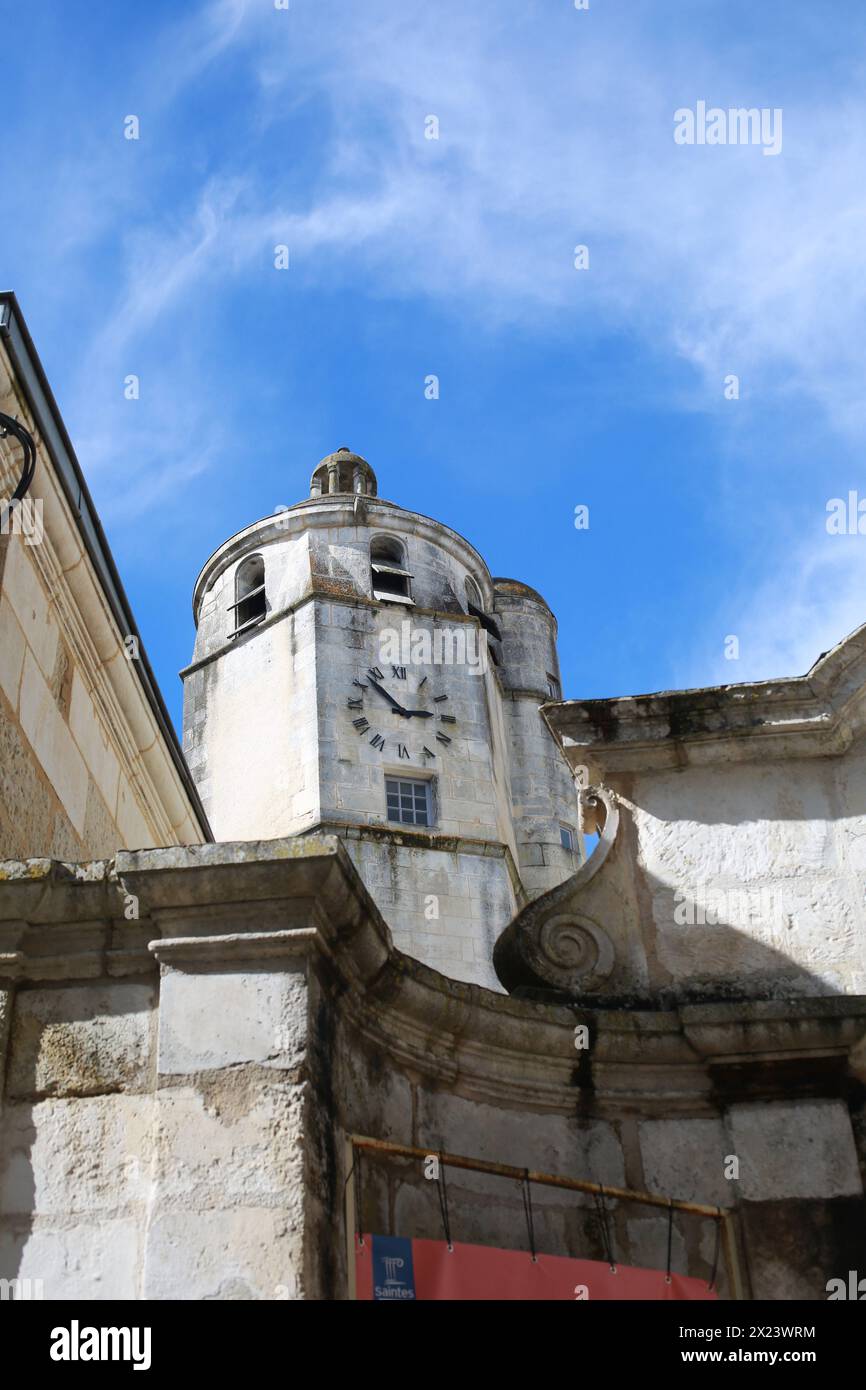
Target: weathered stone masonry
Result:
[[178, 1088], [270, 740], [188, 1035]]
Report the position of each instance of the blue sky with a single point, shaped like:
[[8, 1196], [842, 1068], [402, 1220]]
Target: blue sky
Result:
[[454, 257]]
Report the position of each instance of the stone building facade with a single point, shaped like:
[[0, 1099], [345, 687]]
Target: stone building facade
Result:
[[180, 1089], [287, 731], [680, 1014], [89, 762]]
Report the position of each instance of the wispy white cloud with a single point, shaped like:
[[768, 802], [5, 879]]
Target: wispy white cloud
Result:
[[188, 46], [802, 608], [735, 261], [555, 129]]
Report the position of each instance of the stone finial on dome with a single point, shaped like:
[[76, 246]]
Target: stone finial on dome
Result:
[[343, 471]]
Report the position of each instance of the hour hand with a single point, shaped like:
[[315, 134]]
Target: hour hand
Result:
[[419, 713], [388, 696]]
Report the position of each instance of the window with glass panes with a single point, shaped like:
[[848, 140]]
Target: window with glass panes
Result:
[[409, 803]]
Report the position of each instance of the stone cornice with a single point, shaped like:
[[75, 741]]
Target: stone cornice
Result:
[[77, 570], [436, 840], [301, 902], [816, 715], [325, 596], [327, 513], [101, 672]]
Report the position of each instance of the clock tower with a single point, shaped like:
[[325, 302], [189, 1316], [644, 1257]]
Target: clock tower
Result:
[[358, 671]]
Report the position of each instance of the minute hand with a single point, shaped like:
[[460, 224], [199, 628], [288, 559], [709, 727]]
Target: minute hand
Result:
[[419, 713], [388, 696]]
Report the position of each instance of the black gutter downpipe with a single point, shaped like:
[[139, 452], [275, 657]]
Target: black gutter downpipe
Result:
[[25, 439]]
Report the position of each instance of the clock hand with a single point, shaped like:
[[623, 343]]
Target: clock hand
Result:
[[419, 713], [388, 696]]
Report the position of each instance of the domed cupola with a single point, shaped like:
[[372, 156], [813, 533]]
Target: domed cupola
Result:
[[343, 472]]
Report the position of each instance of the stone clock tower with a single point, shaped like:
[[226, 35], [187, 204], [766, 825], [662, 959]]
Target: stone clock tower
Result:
[[357, 670]]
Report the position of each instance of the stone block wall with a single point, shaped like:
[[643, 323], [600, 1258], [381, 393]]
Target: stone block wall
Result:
[[85, 766], [178, 1091], [64, 790]]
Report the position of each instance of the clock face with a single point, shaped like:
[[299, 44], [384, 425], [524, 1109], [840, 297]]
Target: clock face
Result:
[[401, 714]]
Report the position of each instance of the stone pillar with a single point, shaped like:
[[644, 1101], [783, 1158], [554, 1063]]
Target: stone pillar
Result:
[[333, 478], [246, 1183], [228, 1206], [77, 1110]]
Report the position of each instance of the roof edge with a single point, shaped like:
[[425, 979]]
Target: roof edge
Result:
[[54, 436]]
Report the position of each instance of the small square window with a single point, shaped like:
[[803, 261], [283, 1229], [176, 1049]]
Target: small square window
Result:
[[409, 802], [566, 838]]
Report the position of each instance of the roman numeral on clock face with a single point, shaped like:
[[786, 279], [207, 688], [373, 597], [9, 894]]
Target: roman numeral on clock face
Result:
[[360, 684], [443, 738], [448, 719], [376, 673], [377, 741], [357, 704], [428, 752], [402, 750], [362, 725], [437, 699], [399, 672]]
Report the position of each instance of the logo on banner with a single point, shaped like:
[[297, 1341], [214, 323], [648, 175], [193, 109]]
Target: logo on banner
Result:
[[393, 1272]]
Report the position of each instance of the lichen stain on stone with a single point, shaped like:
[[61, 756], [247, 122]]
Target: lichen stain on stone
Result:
[[229, 1095], [65, 1061], [338, 588]]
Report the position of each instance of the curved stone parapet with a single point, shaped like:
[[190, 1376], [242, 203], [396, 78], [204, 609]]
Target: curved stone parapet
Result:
[[550, 945]]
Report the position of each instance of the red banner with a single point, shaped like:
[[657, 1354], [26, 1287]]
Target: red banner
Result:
[[394, 1269]]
